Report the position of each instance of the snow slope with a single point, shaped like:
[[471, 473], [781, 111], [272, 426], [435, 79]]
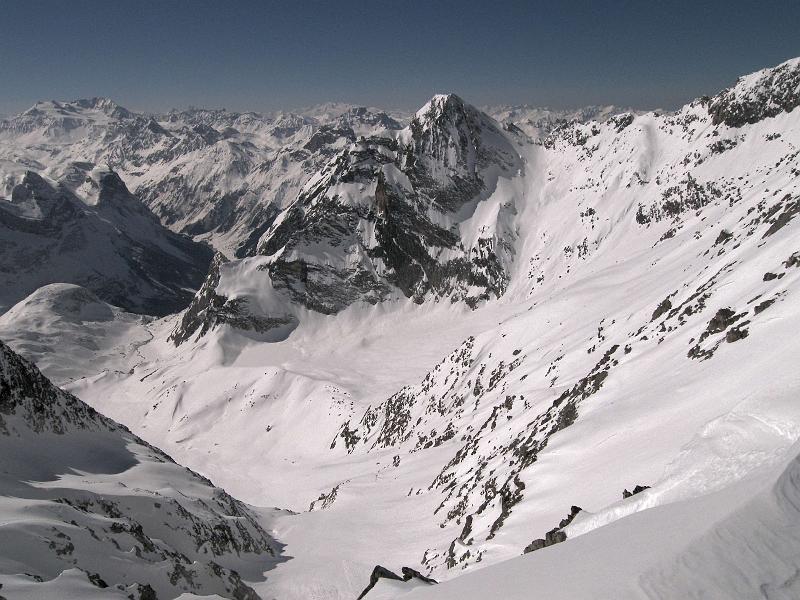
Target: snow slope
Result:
[[643, 335], [738, 543], [67, 330], [90, 510]]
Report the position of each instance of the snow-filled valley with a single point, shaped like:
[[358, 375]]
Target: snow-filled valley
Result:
[[516, 354]]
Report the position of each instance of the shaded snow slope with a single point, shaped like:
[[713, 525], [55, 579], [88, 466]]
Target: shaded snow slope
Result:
[[90, 510], [88, 229]]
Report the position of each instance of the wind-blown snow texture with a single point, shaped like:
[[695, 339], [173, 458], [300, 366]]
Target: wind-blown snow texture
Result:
[[450, 335]]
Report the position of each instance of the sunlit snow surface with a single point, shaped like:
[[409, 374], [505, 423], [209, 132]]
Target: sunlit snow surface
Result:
[[609, 221]]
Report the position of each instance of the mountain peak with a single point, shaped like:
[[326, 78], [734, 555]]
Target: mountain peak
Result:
[[358, 116], [106, 105], [459, 136], [73, 108], [441, 104]]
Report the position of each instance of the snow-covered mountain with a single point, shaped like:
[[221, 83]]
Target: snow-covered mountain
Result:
[[84, 329], [88, 229], [453, 345], [88, 510], [417, 214], [212, 174], [537, 122]]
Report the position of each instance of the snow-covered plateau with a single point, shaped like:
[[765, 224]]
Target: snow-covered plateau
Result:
[[458, 353]]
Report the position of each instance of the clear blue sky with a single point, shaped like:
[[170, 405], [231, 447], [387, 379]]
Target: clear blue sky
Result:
[[265, 55]]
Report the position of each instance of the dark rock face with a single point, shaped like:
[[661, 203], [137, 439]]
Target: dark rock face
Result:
[[114, 247], [761, 307], [621, 121], [791, 208], [327, 135], [409, 573], [262, 223], [720, 322], [759, 96], [380, 572], [202, 312], [735, 334], [723, 238], [360, 115], [637, 490], [688, 195], [146, 592], [29, 395], [555, 535], [325, 500], [662, 308]]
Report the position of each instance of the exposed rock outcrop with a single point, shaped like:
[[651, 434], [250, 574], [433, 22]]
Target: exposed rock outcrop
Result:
[[380, 572], [555, 535]]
